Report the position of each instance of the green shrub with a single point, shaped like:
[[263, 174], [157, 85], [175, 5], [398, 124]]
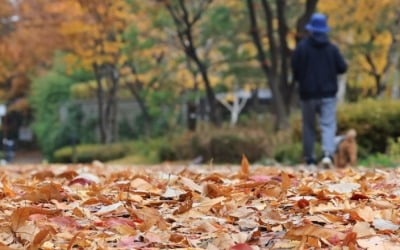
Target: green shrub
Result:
[[375, 121], [222, 146], [292, 153], [166, 153], [289, 153], [91, 152], [378, 160], [49, 93]]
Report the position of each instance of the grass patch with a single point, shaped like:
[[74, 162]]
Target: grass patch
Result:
[[378, 160]]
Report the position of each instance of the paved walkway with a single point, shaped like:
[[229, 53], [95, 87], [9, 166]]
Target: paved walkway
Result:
[[28, 157]]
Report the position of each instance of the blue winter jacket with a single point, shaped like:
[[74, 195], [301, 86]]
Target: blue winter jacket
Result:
[[316, 62]]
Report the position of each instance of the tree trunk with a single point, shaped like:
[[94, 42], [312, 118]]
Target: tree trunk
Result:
[[142, 105], [100, 100], [210, 92], [284, 54], [110, 113], [282, 120], [395, 88], [311, 6], [184, 28], [269, 71], [341, 94], [380, 88], [191, 116]]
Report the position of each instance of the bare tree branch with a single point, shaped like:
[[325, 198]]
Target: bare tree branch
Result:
[[270, 34], [311, 5]]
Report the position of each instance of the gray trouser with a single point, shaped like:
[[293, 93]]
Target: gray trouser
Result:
[[326, 109]]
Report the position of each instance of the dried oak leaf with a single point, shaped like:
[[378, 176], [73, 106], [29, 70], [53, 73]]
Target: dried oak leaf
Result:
[[261, 178], [78, 239], [191, 184], [131, 242], [65, 221], [69, 174], [286, 182], [303, 203], [241, 246], [313, 242], [350, 240], [178, 238], [358, 196], [297, 233], [21, 215], [150, 217], [110, 208], [85, 179], [117, 221], [363, 229], [382, 224], [184, 207], [212, 190], [7, 190], [46, 193], [244, 167], [215, 177], [43, 175], [43, 235], [366, 213]]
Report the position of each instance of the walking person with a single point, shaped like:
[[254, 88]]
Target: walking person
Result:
[[316, 63]]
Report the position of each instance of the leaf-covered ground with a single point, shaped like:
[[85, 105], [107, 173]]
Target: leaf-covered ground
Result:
[[202, 207]]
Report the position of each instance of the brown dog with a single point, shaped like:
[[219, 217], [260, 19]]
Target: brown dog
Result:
[[346, 154]]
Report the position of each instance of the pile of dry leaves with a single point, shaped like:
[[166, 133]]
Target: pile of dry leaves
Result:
[[162, 207]]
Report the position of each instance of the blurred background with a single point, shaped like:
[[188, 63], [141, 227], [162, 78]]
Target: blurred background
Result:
[[194, 81]]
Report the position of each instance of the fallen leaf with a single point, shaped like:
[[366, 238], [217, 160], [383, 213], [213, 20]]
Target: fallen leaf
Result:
[[357, 196], [366, 213], [314, 231], [110, 208], [131, 242], [184, 207], [372, 243], [45, 193], [150, 217], [303, 203], [42, 236], [207, 204], [43, 175], [261, 178], [6, 188], [172, 193], [314, 242], [212, 190], [241, 246], [191, 184], [363, 229], [85, 179], [244, 167], [64, 221], [141, 185], [74, 239], [350, 240], [111, 222], [343, 188], [381, 224], [69, 174], [286, 181], [20, 215]]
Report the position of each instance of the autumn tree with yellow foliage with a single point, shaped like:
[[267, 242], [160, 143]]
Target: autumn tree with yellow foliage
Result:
[[93, 31], [28, 38], [368, 31], [185, 47]]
